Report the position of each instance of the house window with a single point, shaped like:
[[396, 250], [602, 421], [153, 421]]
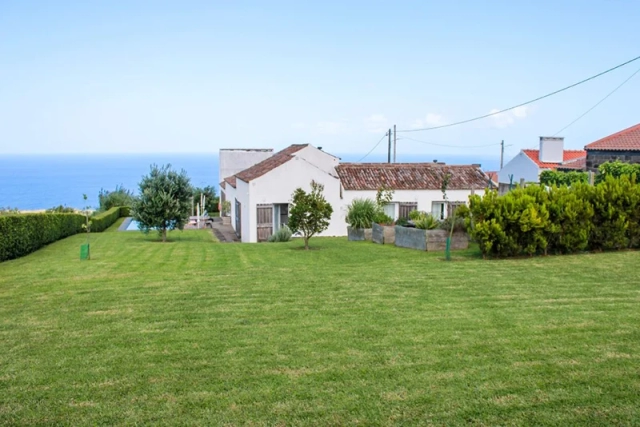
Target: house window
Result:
[[438, 210], [405, 208], [390, 210]]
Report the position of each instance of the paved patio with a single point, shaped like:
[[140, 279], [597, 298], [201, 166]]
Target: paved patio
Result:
[[224, 233]]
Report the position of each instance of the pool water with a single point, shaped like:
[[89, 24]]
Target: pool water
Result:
[[133, 226]]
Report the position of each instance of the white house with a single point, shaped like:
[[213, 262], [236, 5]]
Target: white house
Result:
[[528, 164], [260, 195], [416, 186]]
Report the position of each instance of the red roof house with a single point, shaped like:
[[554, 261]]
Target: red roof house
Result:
[[623, 146]]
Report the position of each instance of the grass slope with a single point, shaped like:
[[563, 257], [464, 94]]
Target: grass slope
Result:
[[195, 331]]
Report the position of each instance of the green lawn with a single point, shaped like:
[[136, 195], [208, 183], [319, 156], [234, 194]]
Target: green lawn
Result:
[[199, 332]]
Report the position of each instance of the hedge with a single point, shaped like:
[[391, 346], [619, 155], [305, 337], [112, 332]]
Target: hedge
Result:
[[534, 220], [24, 233], [21, 234]]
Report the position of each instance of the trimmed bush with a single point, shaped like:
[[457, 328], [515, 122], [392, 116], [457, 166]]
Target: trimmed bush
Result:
[[25, 233], [102, 221], [534, 220], [282, 235]]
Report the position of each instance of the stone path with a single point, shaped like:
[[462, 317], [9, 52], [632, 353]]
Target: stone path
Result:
[[224, 233]]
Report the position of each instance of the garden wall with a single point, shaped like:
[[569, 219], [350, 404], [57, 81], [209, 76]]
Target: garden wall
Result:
[[412, 238], [359, 234], [383, 234]]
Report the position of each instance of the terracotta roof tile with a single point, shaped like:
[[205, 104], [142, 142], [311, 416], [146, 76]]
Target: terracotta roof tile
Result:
[[578, 164], [409, 176], [231, 180], [568, 156], [625, 140], [269, 164], [222, 185]]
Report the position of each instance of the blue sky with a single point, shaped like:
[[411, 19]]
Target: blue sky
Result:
[[127, 76]]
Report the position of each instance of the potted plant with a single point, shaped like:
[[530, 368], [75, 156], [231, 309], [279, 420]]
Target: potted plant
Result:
[[383, 229], [418, 236], [360, 216]]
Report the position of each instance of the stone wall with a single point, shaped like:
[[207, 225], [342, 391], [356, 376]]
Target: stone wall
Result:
[[359, 234], [437, 240], [411, 238], [383, 234], [597, 157]]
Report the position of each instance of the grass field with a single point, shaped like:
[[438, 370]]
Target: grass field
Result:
[[198, 332]]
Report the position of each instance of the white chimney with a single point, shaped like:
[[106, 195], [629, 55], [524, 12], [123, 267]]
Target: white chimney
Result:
[[551, 149]]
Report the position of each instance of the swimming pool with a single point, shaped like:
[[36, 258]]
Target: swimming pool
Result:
[[132, 226]]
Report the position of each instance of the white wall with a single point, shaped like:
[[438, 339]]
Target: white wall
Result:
[[278, 185], [424, 198], [521, 166], [243, 196], [233, 161]]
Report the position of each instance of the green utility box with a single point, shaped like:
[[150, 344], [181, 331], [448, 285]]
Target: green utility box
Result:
[[84, 251]]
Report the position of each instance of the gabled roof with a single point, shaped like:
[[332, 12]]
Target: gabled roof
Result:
[[231, 180], [492, 175], [578, 164], [625, 140], [409, 176], [269, 164], [568, 156]]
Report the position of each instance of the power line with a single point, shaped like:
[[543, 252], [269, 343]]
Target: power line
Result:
[[599, 102], [524, 103], [449, 145], [374, 147]]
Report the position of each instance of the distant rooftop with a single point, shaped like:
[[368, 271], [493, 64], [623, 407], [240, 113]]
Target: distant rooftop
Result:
[[263, 150]]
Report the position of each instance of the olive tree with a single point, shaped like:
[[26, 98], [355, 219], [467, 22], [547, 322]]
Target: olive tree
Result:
[[310, 212], [164, 202]]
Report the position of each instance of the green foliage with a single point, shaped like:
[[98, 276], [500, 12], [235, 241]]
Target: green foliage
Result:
[[211, 200], [383, 219], [310, 212], [9, 211], [361, 213], [165, 201], [125, 211], [383, 197], [60, 209], [426, 222], [532, 220], [23, 234], [558, 178], [455, 223], [617, 169], [117, 198], [402, 222], [415, 215], [226, 208], [104, 220], [282, 235]]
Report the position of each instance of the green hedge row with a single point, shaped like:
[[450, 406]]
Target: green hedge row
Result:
[[21, 234], [104, 220], [533, 220]]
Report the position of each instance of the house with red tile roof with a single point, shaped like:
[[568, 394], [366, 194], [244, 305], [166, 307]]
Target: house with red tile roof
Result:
[[623, 146], [260, 194], [528, 164]]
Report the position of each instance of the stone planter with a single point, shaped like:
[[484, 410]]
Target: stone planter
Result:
[[412, 238], [359, 234], [429, 240], [226, 220], [437, 240], [383, 234]]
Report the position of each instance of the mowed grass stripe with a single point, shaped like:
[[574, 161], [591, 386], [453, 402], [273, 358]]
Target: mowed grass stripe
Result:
[[193, 331]]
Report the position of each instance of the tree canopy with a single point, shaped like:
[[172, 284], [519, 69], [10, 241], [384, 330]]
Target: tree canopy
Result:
[[310, 212], [164, 202]]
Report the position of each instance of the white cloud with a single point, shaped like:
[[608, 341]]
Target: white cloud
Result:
[[331, 128], [376, 123], [508, 118], [430, 120]]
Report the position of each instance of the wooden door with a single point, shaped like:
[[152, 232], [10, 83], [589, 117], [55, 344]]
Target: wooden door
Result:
[[264, 222], [238, 219], [405, 208]]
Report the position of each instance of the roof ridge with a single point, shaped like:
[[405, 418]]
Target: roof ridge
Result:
[[621, 132]]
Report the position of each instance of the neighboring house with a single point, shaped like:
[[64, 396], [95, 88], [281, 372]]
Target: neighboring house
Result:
[[234, 160], [528, 164], [493, 177], [416, 186], [260, 195], [623, 146]]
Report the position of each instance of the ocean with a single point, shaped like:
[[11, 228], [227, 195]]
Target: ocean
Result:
[[30, 182]]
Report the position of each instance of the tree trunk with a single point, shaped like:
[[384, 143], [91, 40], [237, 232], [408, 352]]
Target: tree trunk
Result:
[[306, 243], [164, 234]]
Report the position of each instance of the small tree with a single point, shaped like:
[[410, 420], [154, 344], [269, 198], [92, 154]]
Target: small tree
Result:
[[164, 202], [86, 210], [211, 200], [310, 212]]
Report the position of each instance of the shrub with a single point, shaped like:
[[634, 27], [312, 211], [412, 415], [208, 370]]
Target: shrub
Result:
[[361, 213], [104, 220], [119, 197], [60, 209], [426, 222], [9, 211], [458, 223], [282, 235], [402, 222], [415, 214], [23, 234], [617, 169], [557, 178], [383, 219]]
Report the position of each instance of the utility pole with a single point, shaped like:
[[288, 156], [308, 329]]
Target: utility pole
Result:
[[389, 150], [501, 154], [394, 142]]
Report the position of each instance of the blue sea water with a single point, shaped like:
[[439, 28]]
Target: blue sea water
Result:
[[43, 181]]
